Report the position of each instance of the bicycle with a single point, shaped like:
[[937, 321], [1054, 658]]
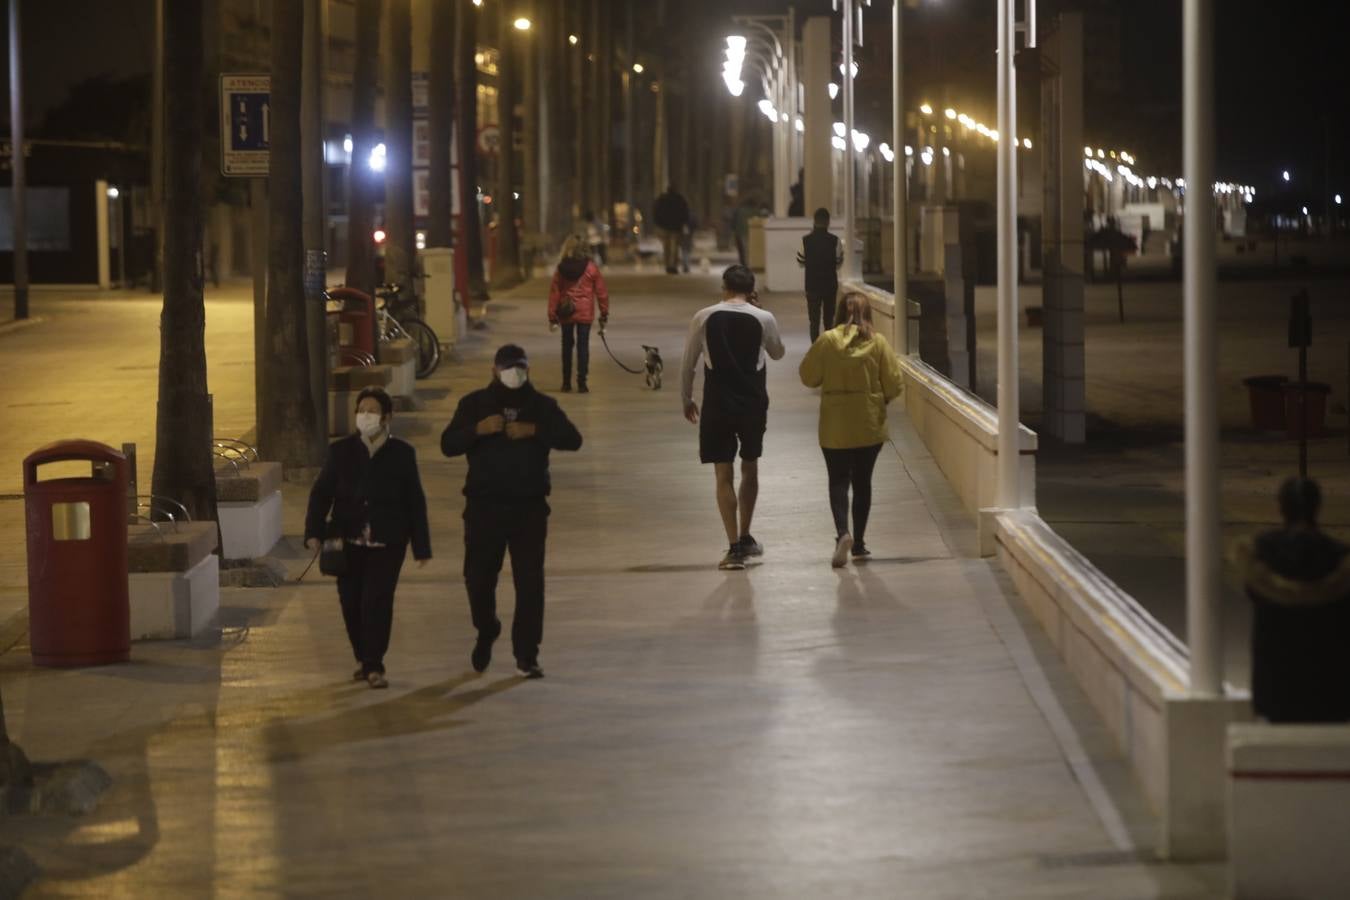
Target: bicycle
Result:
[[397, 319]]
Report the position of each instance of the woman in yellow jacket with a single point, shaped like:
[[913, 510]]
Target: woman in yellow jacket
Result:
[[857, 374]]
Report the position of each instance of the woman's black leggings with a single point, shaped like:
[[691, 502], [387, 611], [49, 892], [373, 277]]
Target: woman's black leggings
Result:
[[851, 467]]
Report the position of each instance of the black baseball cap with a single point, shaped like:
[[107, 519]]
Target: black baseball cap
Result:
[[511, 356]]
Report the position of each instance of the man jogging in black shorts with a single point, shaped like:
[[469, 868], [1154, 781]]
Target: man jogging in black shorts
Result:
[[733, 338]]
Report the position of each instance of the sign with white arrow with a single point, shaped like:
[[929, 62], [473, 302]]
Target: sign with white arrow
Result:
[[245, 125]]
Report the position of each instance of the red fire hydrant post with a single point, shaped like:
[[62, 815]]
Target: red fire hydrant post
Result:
[[78, 606]]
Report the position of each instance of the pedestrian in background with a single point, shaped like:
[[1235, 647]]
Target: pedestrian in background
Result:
[[507, 430], [1298, 579], [577, 289], [821, 255], [857, 374], [371, 487], [671, 215], [597, 238], [734, 338]]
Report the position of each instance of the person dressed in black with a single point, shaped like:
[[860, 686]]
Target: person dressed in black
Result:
[[1299, 580], [369, 483], [822, 254], [671, 214], [507, 430]]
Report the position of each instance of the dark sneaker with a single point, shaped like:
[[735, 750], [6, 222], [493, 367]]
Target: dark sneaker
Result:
[[841, 550], [481, 656], [734, 560], [359, 674], [583, 389], [377, 680], [860, 551], [529, 671], [566, 388], [750, 547]]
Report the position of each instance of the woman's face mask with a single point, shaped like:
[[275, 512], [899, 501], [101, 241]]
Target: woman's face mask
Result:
[[513, 378], [369, 424]]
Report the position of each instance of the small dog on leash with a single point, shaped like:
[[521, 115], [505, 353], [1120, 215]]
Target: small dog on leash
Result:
[[654, 367]]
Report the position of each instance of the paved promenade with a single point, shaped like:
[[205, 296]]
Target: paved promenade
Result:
[[898, 729]]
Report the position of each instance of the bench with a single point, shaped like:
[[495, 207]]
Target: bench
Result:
[[173, 579], [1289, 810], [344, 385], [248, 503], [401, 355]]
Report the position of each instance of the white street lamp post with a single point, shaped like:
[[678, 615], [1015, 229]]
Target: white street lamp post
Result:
[[1009, 459]]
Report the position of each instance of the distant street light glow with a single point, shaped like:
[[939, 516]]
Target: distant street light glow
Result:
[[113, 192], [838, 143], [1026, 143], [637, 67], [949, 113], [1285, 174], [522, 24], [573, 39], [1305, 210], [926, 109], [840, 129], [378, 157], [1338, 199], [834, 90]]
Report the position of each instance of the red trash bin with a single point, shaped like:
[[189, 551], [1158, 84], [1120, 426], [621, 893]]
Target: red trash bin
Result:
[[79, 611], [356, 321]]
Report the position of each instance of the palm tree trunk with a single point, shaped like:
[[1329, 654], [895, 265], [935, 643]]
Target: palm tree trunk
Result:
[[506, 266], [441, 98], [362, 183], [183, 430], [468, 147], [401, 247], [288, 430]]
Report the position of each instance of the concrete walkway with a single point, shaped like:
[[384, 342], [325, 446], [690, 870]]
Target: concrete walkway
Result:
[[891, 730]]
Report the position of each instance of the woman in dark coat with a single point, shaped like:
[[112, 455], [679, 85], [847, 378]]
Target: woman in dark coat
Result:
[[370, 485]]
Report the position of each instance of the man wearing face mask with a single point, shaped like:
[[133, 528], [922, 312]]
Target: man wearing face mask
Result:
[[507, 430]]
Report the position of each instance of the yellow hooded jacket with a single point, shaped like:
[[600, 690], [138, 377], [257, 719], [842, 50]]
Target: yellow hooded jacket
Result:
[[857, 378]]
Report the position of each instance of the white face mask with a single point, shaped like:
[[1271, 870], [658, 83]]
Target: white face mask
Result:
[[514, 377], [369, 424]]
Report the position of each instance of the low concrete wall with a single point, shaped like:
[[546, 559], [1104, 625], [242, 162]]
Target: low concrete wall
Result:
[[1289, 810], [1136, 674]]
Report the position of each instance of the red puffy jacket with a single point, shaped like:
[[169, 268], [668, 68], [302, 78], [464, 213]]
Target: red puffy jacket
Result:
[[580, 281]]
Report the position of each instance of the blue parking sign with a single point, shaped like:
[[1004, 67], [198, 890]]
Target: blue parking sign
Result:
[[245, 125]]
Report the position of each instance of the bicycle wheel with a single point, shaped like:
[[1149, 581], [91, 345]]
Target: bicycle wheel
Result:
[[428, 346]]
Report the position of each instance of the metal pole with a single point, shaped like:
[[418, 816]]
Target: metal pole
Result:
[[790, 48], [900, 213], [1009, 462], [1201, 350], [258, 256], [315, 219], [19, 163], [850, 226], [629, 239]]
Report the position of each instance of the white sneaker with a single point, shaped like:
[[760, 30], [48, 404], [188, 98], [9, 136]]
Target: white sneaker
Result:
[[841, 549]]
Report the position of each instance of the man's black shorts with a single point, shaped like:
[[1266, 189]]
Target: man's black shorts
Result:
[[720, 432]]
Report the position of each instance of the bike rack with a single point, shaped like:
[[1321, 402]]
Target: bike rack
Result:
[[245, 449], [165, 506], [358, 357], [234, 452], [137, 517]]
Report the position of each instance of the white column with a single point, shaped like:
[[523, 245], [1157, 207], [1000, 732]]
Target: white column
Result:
[[1009, 489], [818, 159], [850, 169], [1203, 598], [901, 200]]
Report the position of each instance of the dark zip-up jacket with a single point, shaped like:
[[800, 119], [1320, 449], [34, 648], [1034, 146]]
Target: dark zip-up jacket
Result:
[[384, 491], [1299, 581], [501, 468]]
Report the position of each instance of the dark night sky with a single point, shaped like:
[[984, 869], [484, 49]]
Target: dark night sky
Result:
[[1281, 67]]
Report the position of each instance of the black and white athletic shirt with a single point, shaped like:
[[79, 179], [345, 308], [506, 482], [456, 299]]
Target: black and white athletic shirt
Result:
[[734, 338]]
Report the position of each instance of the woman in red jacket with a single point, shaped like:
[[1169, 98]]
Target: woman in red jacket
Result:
[[578, 287]]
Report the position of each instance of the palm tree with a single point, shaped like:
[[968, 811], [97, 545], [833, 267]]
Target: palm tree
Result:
[[468, 146], [441, 99], [400, 249], [361, 189], [183, 460], [288, 430], [506, 266]]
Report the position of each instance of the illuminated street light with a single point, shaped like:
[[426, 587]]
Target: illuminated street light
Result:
[[522, 24], [949, 113], [347, 144], [637, 67], [854, 69], [1285, 174], [840, 130], [766, 107], [838, 143], [860, 141], [113, 192], [926, 109], [1337, 198], [573, 39], [834, 90], [1026, 143], [378, 157]]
